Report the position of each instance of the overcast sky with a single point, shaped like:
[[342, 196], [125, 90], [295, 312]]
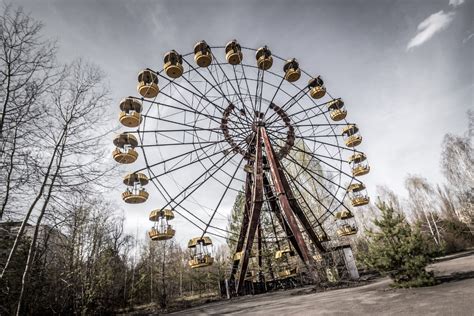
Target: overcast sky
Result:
[[404, 68]]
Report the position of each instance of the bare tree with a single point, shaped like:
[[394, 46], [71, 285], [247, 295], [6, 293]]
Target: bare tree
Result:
[[423, 204], [457, 163], [79, 100], [27, 71]]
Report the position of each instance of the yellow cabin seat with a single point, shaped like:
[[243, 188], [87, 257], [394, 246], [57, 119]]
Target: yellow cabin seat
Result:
[[200, 252], [351, 135], [317, 89], [359, 168], [130, 112], [155, 234], [202, 54], [344, 214], [136, 194], [173, 64], [132, 197], [124, 151], [148, 84], [233, 53], [357, 197], [264, 58], [200, 262], [346, 230], [337, 111], [360, 200], [125, 157], [288, 273], [292, 70]]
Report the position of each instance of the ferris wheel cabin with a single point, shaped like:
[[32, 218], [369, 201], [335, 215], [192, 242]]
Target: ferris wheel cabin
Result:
[[346, 230], [359, 164], [317, 88], [292, 70], [161, 229], [337, 111], [135, 192], [200, 248], [344, 215], [264, 58], [148, 84], [233, 53], [358, 194], [202, 54], [125, 152], [130, 112], [173, 64], [351, 135]]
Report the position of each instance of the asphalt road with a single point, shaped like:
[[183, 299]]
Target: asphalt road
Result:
[[455, 296]]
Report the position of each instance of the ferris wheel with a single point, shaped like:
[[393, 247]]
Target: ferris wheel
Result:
[[225, 122]]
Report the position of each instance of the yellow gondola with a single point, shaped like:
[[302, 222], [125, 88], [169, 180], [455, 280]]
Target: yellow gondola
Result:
[[156, 234], [248, 168], [130, 115], [358, 195], [135, 192], [286, 252], [317, 89], [359, 168], [238, 255], [346, 230], [161, 230], [292, 70], [125, 148], [148, 83], [264, 58], [287, 273], [351, 135], [337, 111], [200, 252], [233, 53], [173, 64], [202, 54], [344, 214]]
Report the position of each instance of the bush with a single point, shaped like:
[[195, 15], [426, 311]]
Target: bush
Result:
[[398, 250]]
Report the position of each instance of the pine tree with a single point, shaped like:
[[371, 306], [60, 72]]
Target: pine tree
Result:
[[398, 250]]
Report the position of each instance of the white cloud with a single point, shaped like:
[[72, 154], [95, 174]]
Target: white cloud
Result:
[[465, 40], [430, 26], [456, 3]]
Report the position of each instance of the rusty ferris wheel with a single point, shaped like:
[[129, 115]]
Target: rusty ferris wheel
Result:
[[228, 121]]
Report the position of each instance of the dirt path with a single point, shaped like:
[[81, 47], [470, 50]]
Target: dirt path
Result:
[[453, 297]]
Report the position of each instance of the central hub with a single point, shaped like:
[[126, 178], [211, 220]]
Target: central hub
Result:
[[240, 130]]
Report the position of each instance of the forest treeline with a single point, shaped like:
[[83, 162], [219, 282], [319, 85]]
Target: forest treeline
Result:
[[63, 248]]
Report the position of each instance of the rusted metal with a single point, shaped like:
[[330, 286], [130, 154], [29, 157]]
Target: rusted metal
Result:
[[303, 219], [275, 208], [282, 197], [254, 218], [244, 225], [259, 246]]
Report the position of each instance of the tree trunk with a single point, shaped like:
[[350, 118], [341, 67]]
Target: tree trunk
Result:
[[32, 206], [29, 260]]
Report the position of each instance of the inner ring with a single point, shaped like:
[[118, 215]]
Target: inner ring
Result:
[[259, 120]]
